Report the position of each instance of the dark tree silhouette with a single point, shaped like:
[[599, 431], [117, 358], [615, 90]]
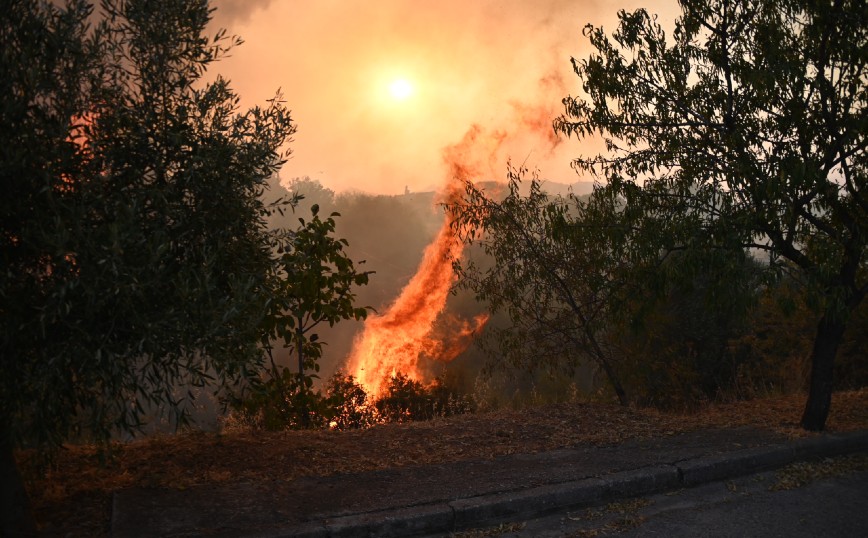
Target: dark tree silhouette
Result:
[[750, 119]]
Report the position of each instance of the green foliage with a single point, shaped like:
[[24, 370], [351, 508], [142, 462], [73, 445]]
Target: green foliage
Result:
[[135, 257], [779, 341], [553, 265], [678, 344], [583, 283], [852, 367], [313, 282], [280, 402], [349, 407], [744, 128], [315, 285], [737, 134]]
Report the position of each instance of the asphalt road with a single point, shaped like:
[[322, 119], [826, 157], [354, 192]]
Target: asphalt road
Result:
[[745, 507], [513, 492]]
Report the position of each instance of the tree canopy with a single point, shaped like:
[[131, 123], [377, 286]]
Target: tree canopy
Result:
[[734, 167], [556, 286], [744, 128], [135, 253]]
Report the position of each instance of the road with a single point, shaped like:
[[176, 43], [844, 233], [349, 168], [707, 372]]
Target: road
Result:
[[746, 507]]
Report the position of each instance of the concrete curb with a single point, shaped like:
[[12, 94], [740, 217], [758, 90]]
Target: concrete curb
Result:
[[537, 501]]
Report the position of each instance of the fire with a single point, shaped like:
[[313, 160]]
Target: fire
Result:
[[397, 340], [78, 137]]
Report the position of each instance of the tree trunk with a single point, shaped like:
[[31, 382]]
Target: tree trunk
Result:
[[830, 331], [608, 370], [16, 519], [299, 344], [615, 382]]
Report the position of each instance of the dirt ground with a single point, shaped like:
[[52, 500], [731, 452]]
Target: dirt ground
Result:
[[73, 496]]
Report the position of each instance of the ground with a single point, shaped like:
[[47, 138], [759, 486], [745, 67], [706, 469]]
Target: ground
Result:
[[73, 496]]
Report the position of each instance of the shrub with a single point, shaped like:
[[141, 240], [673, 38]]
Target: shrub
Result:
[[347, 404], [281, 402], [407, 400]]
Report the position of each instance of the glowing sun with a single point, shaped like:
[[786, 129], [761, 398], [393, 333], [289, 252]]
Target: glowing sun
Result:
[[400, 89]]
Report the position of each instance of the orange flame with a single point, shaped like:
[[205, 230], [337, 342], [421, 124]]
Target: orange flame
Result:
[[395, 341], [78, 137]]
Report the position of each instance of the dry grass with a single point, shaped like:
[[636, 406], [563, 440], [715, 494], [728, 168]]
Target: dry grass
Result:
[[73, 497]]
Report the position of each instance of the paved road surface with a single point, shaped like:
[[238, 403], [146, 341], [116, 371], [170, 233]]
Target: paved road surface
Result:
[[414, 500], [745, 507]]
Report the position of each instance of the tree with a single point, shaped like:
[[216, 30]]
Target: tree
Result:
[[135, 257], [677, 333], [750, 120], [315, 286], [581, 283], [548, 269], [314, 193]]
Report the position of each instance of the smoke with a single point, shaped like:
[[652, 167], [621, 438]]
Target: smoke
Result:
[[536, 118], [396, 341], [230, 12], [469, 62]]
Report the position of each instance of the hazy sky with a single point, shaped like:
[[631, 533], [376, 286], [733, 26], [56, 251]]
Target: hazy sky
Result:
[[502, 66]]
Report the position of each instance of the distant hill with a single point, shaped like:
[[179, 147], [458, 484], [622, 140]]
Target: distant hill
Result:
[[578, 188], [553, 188]]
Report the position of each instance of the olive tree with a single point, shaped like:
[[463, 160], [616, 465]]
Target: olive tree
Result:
[[135, 253], [750, 119]]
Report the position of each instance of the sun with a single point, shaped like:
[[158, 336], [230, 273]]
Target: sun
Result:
[[400, 89]]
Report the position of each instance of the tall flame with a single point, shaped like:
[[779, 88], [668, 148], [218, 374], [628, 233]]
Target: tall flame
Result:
[[395, 342]]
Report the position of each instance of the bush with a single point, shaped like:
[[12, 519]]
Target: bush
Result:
[[347, 404], [281, 402], [407, 400]]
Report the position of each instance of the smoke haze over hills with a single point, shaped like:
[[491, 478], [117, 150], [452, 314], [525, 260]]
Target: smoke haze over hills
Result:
[[489, 63]]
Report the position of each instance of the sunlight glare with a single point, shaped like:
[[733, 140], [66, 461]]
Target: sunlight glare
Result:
[[400, 89]]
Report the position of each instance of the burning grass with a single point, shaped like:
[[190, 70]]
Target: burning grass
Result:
[[73, 497]]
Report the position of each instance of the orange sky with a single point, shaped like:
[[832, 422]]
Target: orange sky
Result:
[[502, 65]]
